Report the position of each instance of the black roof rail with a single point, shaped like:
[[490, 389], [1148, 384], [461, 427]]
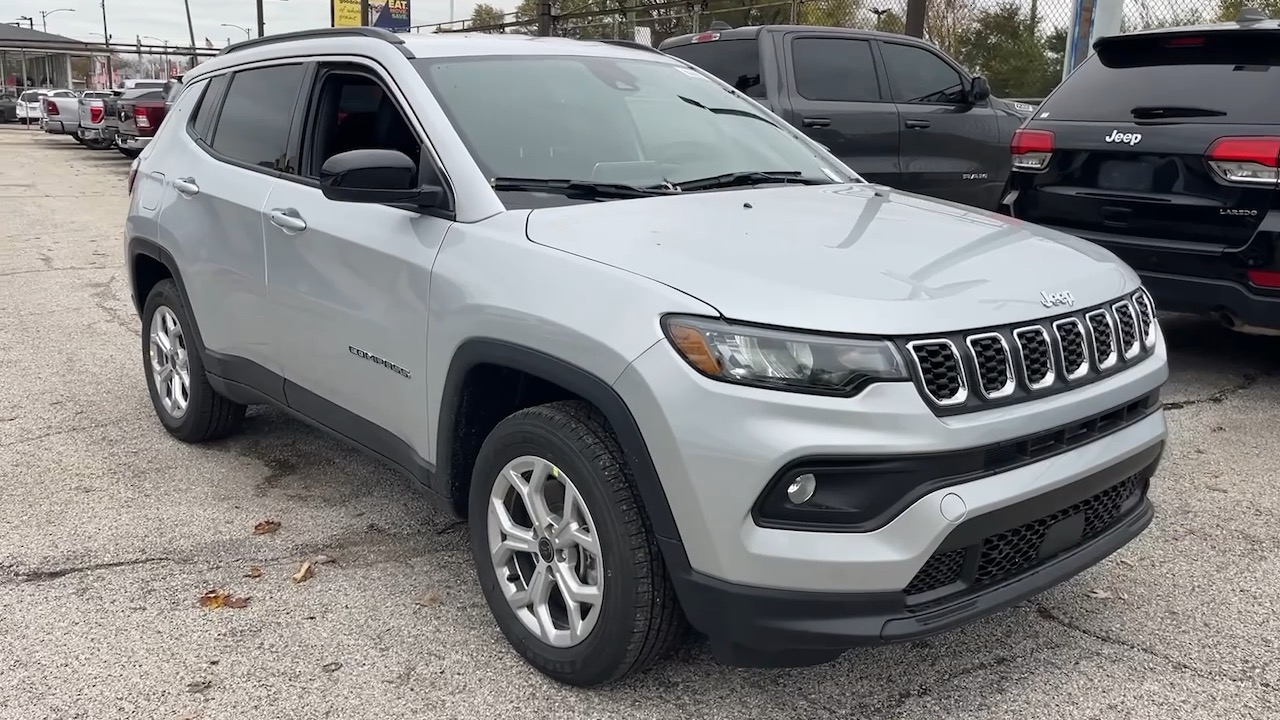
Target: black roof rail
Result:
[[369, 32], [633, 44]]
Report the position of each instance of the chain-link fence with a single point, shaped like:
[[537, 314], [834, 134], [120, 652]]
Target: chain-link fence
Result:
[[1019, 45]]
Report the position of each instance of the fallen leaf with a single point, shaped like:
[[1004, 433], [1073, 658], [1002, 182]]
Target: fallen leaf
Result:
[[1127, 562], [1100, 594], [189, 715], [266, 527], [427, 599], [321, 559], [215, 599], [1124, 596], [254, 572], [198, 686], [330, 667], [305, 572]]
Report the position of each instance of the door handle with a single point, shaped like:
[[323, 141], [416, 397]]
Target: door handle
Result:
[[917, 124], [287, 220], [186, 187], [816, 122]]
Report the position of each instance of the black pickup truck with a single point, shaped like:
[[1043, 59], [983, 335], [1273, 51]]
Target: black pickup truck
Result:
[[893, 107]]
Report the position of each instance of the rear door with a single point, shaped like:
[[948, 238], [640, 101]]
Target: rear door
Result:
[[1138, 155], [951, 147], [837, 96]]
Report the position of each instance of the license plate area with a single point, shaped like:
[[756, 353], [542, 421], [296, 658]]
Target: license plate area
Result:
[[1127, 175]]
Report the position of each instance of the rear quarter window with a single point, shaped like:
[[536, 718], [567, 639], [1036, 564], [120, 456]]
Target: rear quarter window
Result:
[[736, 62], [1234, 74]]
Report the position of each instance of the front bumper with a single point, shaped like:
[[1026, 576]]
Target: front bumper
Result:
[[1008, 557]]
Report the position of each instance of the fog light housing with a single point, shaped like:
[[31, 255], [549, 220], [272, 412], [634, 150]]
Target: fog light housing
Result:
[[802, 488]]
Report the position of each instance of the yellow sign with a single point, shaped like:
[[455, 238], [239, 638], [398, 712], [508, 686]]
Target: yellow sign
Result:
[[346, 13]]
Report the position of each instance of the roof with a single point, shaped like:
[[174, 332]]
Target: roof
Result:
[[14, 34], [1236, 26]]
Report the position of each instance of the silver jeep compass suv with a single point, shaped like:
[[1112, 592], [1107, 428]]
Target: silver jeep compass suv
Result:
[[675, 362]]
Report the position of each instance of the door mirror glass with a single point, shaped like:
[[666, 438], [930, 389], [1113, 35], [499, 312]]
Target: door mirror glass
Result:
[[375, 176], [979, 90]]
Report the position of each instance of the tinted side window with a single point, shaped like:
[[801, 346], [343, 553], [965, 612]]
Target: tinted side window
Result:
[[918, 76], [203, 114], [835, 69], [736, 62], [253, 126]]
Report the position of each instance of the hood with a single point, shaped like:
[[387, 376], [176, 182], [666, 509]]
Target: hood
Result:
[[839, 258]]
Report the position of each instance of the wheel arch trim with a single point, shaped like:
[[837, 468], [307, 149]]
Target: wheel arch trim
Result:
[[586, 385]]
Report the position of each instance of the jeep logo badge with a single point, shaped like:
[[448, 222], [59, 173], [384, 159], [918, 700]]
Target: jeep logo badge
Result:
[[1129, 139], [1059, 298]]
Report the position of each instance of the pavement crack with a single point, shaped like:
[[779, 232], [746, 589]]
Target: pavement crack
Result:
[[59, 573], [1247, 381], [1048, 614], [105, 299], [64, 431], [50, 268]]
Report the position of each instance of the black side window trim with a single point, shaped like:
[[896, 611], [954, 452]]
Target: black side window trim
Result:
[[205, 144], [965, 79], [211, 91], [310, 96]]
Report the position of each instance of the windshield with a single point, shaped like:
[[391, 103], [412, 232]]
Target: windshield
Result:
[[612, 120], [31, 96]]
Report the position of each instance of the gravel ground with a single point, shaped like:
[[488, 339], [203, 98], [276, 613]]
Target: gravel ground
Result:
[[110, 531]]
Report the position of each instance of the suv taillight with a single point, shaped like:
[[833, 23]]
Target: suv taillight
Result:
[[1246, 160], [142, 116], [1031, 149], [50, 107], [95, 113], [133, 175]]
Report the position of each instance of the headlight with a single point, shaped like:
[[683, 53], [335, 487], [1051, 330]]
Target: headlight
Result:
[[780, 359]]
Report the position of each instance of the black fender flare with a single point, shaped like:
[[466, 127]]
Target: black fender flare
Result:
[[589, 387]]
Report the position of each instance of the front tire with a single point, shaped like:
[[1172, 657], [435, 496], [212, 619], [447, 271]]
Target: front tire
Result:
[[186, 404], [564, 551]]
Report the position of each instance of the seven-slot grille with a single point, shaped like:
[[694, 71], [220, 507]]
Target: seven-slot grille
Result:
[[1022, 362]]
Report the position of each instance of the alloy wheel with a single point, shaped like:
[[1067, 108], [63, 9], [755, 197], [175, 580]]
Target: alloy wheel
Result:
[[545, 551], [170, 363]]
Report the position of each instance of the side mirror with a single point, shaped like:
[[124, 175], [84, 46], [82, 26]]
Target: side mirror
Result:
[[979, 89], [375, 176]]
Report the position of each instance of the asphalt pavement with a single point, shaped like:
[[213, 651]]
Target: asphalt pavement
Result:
[[110, 532]]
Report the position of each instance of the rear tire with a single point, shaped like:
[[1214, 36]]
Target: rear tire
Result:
[[602, 551], [184, 401], [129, 153]]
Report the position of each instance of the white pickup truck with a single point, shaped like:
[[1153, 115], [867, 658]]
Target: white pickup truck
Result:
[[93, 130], [60, 111]]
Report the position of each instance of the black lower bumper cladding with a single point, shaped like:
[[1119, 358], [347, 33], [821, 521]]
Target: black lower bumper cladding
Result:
[[985, 565]]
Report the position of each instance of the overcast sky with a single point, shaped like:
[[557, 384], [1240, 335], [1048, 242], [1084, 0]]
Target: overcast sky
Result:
[[166, 20]]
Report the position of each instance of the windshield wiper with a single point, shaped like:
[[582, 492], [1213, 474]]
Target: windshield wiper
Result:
[[585, 189], [1155, 112], [754, 177], [726, 111]]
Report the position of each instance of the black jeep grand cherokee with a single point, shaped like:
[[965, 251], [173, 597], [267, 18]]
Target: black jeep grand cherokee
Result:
[[1164, 147]]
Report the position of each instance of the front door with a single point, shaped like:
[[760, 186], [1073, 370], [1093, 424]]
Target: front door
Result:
[[349, 282], [837, 100], [950, 147]]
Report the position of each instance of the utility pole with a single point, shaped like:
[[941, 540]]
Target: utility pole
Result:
[[106, 38], [262, 21], [364, 12], [916, 11], [191, 31]]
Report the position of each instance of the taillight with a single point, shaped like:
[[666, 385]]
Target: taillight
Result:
[[96, 112], [1265, 278], [51, 107], [142, 116], [1184, 41], [133, 175], [1031, 149], [1246, 160], [706, 37]]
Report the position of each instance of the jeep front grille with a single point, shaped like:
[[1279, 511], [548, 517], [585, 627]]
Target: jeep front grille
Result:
[[1022, 362]]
